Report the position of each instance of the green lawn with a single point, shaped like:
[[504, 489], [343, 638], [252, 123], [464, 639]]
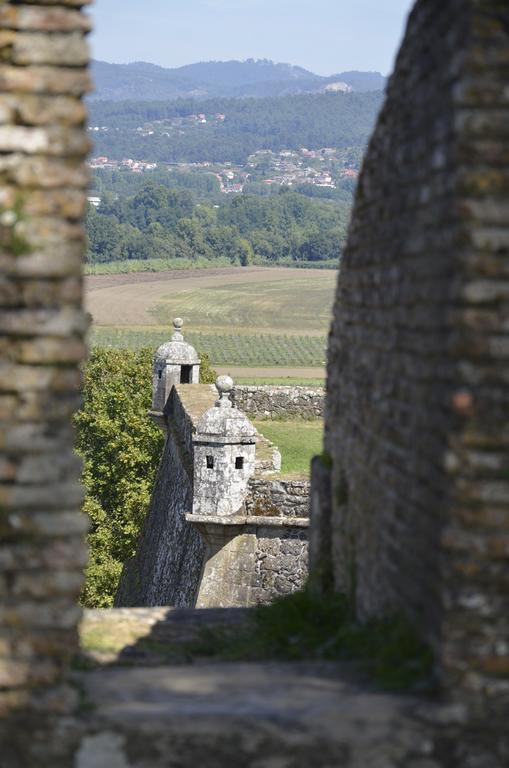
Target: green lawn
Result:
[[298, 440], [280, 381]]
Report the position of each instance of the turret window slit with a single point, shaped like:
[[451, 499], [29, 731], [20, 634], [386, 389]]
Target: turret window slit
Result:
[[210, 462], [239, 462]]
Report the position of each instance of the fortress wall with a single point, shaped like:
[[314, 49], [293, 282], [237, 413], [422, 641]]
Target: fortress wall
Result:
[[283, 498], [254, 562], [43, 198], [267, 402], [242, 560], [417, 396], [166, 569], [281, 563], [183, 422]]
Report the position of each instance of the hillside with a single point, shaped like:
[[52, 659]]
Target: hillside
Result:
[[234, 79], [231, 129]]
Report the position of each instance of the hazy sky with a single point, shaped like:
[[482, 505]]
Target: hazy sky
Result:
[[326, 36]]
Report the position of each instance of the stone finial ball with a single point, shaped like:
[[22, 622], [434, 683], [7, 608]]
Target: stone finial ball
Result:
[[224, 384], [178, 323]]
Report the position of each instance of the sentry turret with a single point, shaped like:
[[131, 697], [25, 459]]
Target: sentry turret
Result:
[[224, 456], [175, 362]]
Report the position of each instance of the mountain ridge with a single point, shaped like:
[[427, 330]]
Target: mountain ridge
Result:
[[211, 79]]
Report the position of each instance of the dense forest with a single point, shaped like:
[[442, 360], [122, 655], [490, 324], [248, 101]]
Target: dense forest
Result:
[[158, 222], [312, 120]]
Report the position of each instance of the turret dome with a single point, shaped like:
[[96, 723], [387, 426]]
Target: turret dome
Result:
[[177, 351]]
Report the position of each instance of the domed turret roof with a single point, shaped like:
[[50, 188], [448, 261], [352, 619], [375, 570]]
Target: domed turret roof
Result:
[[177, 351], [224, 423]]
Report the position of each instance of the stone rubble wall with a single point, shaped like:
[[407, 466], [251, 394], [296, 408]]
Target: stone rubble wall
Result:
[[417, 395], [281, 564], [278, 498], [43, 199], [269, 402]]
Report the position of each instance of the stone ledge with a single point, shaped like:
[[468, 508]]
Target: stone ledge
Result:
[[259, 520], [303, 715]]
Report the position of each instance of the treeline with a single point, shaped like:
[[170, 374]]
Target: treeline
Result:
[[291, 122], [204, 186], [158, 222]]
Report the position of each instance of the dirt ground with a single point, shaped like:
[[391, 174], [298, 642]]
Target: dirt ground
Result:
[[272, 373], [129, 300], [97, 282]]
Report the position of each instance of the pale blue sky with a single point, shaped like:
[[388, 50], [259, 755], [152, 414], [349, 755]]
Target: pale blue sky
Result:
[[326, 36]]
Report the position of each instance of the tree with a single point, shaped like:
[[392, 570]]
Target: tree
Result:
[[104, 237], [323, 246], [246, 253]]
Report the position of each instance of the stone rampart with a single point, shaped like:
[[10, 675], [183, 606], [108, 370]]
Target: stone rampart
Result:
[[239, 565], [167, 566], [417, 396], [270, 402]]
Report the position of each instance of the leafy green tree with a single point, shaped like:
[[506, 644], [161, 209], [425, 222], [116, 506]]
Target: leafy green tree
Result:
[[121, 448], [246, 253], [322, 246], [192, 234], [104, 237]]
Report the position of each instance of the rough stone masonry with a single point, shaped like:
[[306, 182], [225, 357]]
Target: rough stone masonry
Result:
[[416, 515], [43, 197], [223, 528]]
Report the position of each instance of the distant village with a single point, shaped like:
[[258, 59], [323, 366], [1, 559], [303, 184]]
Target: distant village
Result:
[[325, 167], [285, 168]]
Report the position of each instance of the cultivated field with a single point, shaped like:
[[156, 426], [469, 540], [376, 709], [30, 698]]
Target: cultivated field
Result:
[[250, 318]]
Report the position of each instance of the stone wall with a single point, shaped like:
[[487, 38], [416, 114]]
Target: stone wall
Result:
[[238, 567], [43, 196], [42, 200], [267, 402], [275, 497], [167, 566], [417, 396], [281, 564]]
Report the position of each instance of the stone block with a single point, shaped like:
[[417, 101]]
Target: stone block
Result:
[[45, 80], [39, 19]]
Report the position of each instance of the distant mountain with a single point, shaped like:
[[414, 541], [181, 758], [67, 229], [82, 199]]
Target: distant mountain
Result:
[[212, 79]]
